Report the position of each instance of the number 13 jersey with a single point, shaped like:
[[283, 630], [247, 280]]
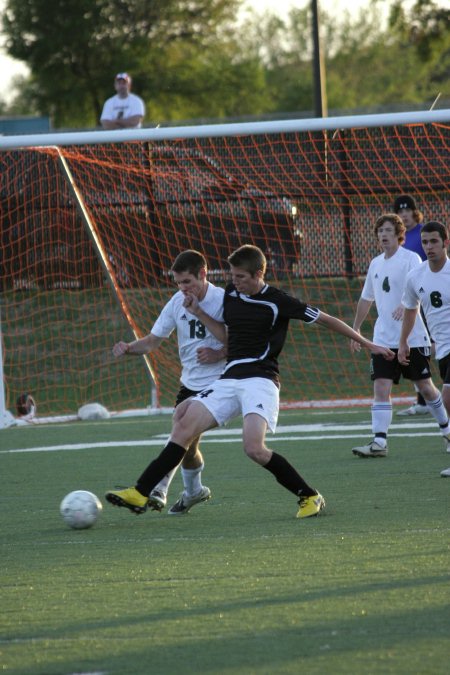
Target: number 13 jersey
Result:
[[192, 334]]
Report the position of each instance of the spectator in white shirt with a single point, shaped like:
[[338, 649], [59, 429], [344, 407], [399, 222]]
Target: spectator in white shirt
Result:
[[124, 110]]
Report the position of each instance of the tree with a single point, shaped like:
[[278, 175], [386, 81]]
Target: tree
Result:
[[283, 47], [171, 47], [425, 30], [191, 59], [372, 60]]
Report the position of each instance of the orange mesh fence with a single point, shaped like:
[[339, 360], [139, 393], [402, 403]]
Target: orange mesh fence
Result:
[[308, 199]]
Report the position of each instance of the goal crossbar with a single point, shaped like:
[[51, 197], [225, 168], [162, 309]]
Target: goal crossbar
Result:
[[226, 130]]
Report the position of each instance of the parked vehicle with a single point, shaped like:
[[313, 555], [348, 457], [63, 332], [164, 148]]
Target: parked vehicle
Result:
[[205, 207]]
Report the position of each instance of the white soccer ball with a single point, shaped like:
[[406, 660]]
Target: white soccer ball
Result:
[[80, 509], [93, 411]]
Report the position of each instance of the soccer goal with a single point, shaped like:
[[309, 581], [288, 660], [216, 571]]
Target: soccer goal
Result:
[[91, 223]]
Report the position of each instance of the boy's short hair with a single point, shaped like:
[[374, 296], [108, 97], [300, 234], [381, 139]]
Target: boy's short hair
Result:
[[396, 221], [189, 261], [250, 258], [436, 226]]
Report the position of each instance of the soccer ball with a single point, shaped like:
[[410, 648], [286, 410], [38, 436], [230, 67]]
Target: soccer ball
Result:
[[80, 509]]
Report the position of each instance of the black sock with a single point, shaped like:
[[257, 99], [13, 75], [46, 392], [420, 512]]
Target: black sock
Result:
[[287, 476], [420, 399], [167, 460]]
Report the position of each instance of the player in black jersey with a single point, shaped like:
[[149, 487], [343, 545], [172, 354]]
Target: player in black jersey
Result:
[[256, 316]]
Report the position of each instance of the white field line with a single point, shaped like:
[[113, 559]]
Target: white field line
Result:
[[298, 432]]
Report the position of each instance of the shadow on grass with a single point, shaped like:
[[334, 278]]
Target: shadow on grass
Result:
[[250, 649]]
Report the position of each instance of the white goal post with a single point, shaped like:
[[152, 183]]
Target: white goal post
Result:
[[230, 129], [331, 126]]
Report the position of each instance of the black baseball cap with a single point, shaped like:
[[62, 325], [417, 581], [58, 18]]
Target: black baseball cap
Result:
[[404, 202]]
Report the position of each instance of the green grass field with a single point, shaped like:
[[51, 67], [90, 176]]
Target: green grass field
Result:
[[238, 586]]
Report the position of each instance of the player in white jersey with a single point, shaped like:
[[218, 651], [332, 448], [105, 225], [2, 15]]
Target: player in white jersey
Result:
[[202, 357], [429, 287], [384, 285]]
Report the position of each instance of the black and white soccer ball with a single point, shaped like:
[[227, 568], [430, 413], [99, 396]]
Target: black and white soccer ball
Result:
[[80, 509], [26, 405]]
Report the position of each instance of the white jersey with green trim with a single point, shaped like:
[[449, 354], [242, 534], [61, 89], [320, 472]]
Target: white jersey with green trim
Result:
[[432, 291], [191, 335], [384, 284]]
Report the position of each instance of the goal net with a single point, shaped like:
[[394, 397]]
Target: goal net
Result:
[[90, 230]]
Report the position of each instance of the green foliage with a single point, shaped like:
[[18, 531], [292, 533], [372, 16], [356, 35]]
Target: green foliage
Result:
[[369, 61], [209, 82], [195, 59], [283, 47], [426, 33], [74, 49], [239, 585]]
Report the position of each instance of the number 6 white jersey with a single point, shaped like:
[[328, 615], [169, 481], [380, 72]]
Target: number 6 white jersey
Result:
[[432, 291], [191, 335]]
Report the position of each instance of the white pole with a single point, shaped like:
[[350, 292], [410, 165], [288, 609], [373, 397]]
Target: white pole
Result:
[[235, 129], [6, 419], [100, 250]]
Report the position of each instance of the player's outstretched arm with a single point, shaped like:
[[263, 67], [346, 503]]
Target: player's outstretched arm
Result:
[[338, 326], [139, 347]]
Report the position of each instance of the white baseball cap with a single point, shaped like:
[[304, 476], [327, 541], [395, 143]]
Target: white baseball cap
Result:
[[123, 76]]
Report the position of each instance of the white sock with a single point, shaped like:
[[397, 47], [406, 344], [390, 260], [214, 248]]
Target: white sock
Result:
[[381, 420], [164, 483], [192, 480], [437, 409]]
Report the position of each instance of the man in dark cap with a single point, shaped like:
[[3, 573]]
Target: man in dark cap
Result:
[[405, 206]]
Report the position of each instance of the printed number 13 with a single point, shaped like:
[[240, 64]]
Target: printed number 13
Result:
[[196, 329]]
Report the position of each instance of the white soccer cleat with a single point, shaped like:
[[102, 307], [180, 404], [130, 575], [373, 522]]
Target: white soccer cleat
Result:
[[157, 500], [372, 449], [185, 503], [415, 409], [445, 473]]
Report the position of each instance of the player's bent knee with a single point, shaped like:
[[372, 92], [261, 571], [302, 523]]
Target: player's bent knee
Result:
[[258, 454], [427, 389], [181, 410]]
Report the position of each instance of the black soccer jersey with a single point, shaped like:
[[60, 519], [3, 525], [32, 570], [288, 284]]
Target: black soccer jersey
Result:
[[257, 327]]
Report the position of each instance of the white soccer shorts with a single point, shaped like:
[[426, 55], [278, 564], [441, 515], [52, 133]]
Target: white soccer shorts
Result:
[[228, 398]]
